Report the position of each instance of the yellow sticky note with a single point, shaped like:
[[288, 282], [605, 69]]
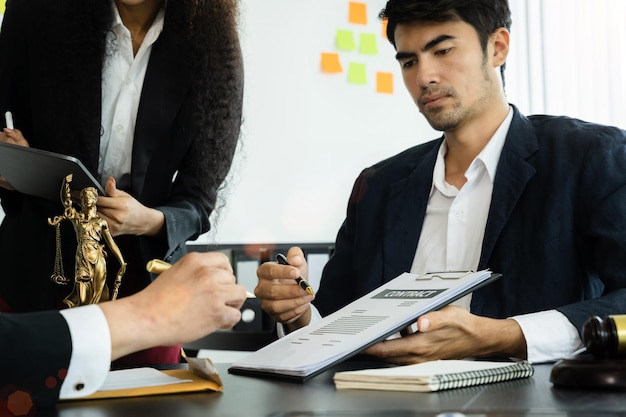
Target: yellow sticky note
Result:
[[357, 73], [2, 6], [384, 82], [367, 44], [330, 62], [357, 13], [345, 40]]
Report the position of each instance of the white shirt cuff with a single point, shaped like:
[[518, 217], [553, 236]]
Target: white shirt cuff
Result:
[[91, 351], [550, 336], [315, 316]]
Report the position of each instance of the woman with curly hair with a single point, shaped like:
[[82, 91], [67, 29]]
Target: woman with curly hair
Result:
[[148, 95]]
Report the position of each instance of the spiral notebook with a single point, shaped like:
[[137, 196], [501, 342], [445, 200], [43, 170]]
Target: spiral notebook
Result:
[[433, 376]]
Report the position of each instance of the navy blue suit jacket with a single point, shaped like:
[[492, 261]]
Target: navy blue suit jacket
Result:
[[35, 351], [556, 227]]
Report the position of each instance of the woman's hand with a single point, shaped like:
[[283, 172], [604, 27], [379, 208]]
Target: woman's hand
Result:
[[15, 137], [127, 216]]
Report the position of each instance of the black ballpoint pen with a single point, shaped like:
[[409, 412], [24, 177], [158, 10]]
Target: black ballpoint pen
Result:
[[281, 259]]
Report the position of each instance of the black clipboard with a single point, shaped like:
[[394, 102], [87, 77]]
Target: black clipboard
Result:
[[233, 369], [40, 173]]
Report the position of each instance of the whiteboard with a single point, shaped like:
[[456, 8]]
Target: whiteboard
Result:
[[307, 131]]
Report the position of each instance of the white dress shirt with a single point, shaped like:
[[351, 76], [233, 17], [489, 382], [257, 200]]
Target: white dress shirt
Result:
[[122, 81], [91, 351], [452, 235]]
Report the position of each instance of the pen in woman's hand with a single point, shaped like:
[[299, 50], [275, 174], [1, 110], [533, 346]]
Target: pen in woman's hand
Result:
[[8, 118], [281, 259]]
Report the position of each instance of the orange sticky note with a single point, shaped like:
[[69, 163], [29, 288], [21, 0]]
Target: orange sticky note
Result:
[[357, 13], [384, 82], [384, 27], [330, 62]]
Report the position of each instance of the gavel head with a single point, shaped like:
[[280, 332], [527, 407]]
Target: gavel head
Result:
[[605, 337]]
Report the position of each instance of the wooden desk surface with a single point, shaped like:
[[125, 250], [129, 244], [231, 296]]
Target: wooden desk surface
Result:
[[247, 396]]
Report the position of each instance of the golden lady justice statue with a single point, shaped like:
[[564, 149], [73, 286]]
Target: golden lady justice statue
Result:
[[90, 269]]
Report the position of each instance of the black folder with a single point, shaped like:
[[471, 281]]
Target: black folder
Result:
[[40, 173]]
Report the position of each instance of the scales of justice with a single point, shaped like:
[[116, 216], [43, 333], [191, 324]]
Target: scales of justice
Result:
[[92, 234]]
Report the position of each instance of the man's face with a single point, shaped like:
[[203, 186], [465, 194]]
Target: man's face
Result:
[[446, 71]]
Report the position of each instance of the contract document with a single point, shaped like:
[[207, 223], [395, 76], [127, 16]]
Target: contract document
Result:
[[374, 317]]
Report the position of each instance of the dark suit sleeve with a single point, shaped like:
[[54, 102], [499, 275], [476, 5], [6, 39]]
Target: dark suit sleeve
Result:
[[35, 351], [603, 183]]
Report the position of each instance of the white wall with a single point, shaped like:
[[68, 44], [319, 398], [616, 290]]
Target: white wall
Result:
[[567, 57]]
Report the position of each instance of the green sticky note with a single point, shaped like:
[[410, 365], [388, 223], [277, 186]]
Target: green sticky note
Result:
[[345, 40], [357, 73], [367, 44]]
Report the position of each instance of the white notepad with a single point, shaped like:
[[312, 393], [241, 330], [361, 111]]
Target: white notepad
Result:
[[138, 378]]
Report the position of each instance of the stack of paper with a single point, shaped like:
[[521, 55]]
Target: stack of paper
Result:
[[433, 376]]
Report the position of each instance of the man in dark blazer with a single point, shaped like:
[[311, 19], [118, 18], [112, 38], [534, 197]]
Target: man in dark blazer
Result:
[[44, 355], [541, 200]]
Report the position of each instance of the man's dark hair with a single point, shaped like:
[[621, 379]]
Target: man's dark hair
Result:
[[484, 15]]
